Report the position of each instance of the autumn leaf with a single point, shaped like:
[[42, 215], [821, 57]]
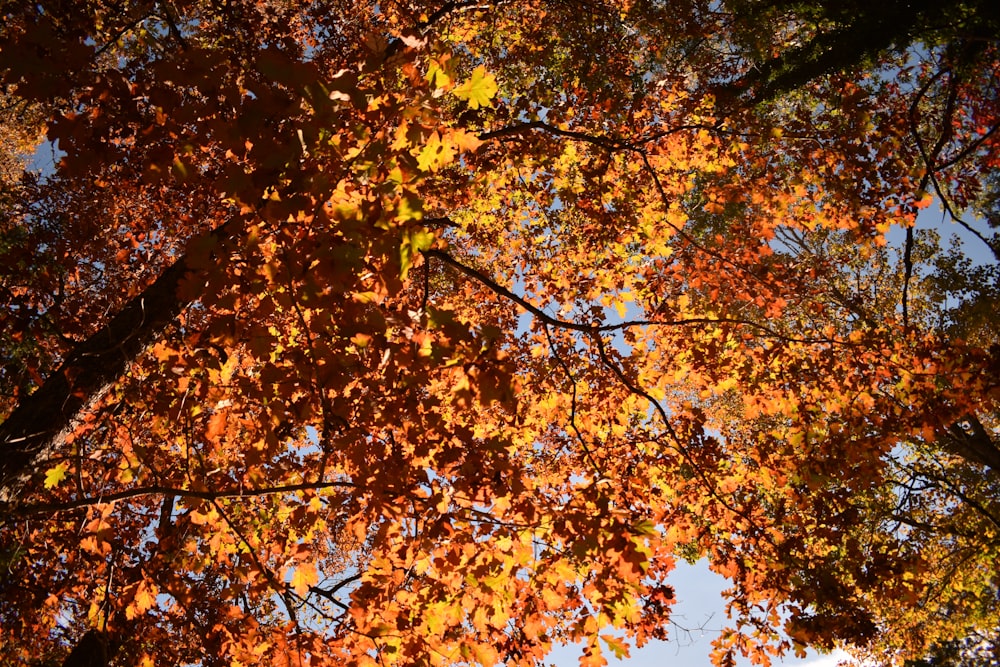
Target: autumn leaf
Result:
[[644, 527], [435, 153], [304, 576], [414, 242], [478, 90], [438, 76], [143, 599], [464, 141], [56, 474], [616, 646], [216, 425], [410, 208]]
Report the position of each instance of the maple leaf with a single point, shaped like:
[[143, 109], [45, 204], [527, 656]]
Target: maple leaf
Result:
[[464, 141], [478, 90], [143, 599], [435, 153], [216, 425], [304, 576]]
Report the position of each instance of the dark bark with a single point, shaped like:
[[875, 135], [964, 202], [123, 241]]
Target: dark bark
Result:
[[43, 420], [970, 440], [861, 31], [91, 651]]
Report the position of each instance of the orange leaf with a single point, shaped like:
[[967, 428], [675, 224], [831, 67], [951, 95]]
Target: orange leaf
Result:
[[303, 578]]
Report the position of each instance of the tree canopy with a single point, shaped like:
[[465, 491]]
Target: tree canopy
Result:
[[430, 333]]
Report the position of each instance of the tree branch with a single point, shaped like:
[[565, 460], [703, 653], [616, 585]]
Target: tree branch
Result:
[[973, 443], [500, 290], [42, 420], [51, 508]]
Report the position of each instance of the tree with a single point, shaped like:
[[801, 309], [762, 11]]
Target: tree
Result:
[[434, 333], [973, 650]]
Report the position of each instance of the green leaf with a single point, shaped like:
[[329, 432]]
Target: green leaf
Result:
[[437, 76], [617, 647], [644, 527], [410, 208], [414, 242], [479, 89]]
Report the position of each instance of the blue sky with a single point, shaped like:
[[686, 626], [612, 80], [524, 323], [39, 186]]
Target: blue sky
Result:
[[699, 605]]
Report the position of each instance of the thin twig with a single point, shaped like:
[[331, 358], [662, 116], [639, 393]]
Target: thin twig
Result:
[[572, 415]]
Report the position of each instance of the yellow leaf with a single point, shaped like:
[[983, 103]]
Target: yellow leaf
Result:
[[55, 475], [414, 242], [435, 153], [437, 76], [620, 308], [94, 614], [479, 89], [619, 648], [410, 207]]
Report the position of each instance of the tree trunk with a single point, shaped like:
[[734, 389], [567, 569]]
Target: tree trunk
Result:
[[37, 426], [864, 30], [970, 440], [91, 651]]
